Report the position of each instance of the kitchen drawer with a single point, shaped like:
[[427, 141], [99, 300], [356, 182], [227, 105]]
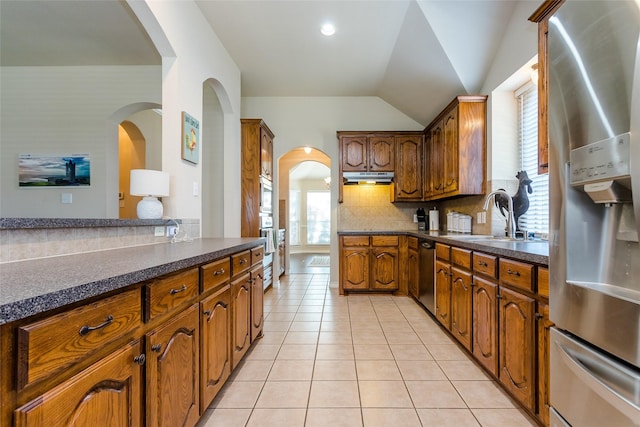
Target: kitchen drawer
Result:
[[215, 273], [516, 274], [543, 282], [257, 254], [169, 292], [52, 344], [240, 262], [485, 264], [355, 240], [384, 240], [443, 251], [413, 243], [461, 257]]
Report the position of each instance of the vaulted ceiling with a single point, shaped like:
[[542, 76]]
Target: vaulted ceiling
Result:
[[415, 55]]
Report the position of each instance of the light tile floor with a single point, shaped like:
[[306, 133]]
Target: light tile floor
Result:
[[359, 360]]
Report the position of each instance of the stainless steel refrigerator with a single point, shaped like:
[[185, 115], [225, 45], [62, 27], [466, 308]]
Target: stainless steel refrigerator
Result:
[[594, 258]]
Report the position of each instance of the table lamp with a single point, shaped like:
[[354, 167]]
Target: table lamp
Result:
[[150, 184]]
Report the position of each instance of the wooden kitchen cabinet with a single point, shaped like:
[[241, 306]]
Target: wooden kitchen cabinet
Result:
[[516, 342], [461, 296], [109, 392], [443, 284], [266, 152], [485, 311], [384, 268], [366, 152], [173, 360], [369, 263], [408, 178], [543, 326], [241, 318], [457, 149], [257, 301], [215, 343], [413, 267]]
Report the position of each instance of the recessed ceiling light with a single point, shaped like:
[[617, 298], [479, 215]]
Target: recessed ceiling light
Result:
[[307, 150], [328, 29]]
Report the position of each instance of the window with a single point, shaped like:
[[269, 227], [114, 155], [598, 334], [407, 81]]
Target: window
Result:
[[294, 217], [536, 219], [318, 217]]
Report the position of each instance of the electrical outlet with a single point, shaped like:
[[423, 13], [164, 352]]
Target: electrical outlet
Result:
[[158, 231], [171, 230], [415, 218]]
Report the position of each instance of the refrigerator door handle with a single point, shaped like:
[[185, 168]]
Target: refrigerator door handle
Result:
[[601, 376], [634, 146]]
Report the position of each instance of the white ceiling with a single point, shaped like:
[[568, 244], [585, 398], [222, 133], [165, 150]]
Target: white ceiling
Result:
[[415, 55]]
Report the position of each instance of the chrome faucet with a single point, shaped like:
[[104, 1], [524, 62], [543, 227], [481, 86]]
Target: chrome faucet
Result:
[[511, 223]]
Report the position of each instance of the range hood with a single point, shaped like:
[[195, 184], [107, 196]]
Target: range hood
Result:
[[367, 177]]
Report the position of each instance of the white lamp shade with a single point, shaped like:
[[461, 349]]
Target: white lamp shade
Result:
[[146, 182]]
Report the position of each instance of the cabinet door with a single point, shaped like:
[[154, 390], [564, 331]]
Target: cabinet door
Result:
[[173, 356], [215, 341], [108, 393], [281, 258], [408, 170], [517, 349], [436, 160], [427, 182], [266, 154], [354, 153], [257, 301], [443, 293], [382, 153], [355, 268], [384, 275], [461, 317], [413, 269], [544, 347], [485, 324], [241, 318], [450, 128]]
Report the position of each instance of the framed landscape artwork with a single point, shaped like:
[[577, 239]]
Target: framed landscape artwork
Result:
[[50, 170], [190, 138]]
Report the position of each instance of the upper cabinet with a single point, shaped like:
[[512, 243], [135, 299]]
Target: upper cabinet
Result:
[[362, 152], [455, 150], [266, 152], [407, 182]]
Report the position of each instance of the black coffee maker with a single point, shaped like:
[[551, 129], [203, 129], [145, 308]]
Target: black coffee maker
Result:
[[422, 219]]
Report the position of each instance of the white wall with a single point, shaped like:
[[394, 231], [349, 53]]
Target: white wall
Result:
[[313, 121]]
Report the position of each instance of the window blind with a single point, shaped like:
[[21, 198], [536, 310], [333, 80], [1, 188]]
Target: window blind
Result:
[[536, 219]]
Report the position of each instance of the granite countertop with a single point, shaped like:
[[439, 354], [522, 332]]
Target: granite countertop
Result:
[[34, 286], [533, 251]]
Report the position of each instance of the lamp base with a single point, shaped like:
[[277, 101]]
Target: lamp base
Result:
[[149, 208]]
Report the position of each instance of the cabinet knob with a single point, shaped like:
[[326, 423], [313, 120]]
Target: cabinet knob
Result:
[[243, 261], [539, 316], [207, 313], [156, 348], [140, 359]]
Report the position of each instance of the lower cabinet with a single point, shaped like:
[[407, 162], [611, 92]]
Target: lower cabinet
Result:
[[257, 301], [413, 267], [544, 348], [516, 343], [443, 293], [172, 371], [240, 318], [369, 263], [384, 268], [485, 324], [108, 393], [461, 314], [215, 344]]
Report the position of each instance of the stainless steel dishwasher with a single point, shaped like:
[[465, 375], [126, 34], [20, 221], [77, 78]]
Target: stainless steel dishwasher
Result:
[[426, 282]]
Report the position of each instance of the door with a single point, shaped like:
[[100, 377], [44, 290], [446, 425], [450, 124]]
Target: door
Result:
[[355, 268], [408, 171], [450, 142], [443, 294], [461, 318], [382, 153], [257, 301], [436, 160], [354, 153], [241, 318], [485, 324], [384, 268]]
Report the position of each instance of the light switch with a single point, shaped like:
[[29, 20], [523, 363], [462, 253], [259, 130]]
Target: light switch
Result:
[[66, 198], [196, 190]]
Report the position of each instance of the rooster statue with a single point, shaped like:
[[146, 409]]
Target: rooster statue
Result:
[[520, 199]]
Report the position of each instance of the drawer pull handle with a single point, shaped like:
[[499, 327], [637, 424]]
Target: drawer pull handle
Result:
[[218, 272], [482, 264], [176, 291], [243, 261], [207, 313], [156, 348], [86, 329], [513, 273], [140, 359]]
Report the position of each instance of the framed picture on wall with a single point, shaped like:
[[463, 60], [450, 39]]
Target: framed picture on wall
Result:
[[51, 170], [190, 138]]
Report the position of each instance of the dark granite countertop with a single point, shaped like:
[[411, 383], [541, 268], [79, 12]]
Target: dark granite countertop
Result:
[[34, 286], [31, 223], [533, 251]]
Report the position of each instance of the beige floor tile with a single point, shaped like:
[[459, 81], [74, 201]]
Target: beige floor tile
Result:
[[402, 338], [434, 337], [372, 352], [270, 326], [308, 317], [262, 351], [310, 309], [377, 370], [285, 307], [335, 352], [305, 326], [340, 326], [358, 325], [334, 337], [366, 337], [297, 352], [301, 338], [446, 352], [334, 394], [238, 394], [280, 317], [224, 417], [434, 394], [330, 316], [410, 352], [334, 417], [384, 394], [272, 337], [284, 394], [344, 370], [276, 417], [502, 417], [420, 370], [462, 370], [482, 394], [401, 327], [291, 370], [448, 418], [252, 370], [385, 417]]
